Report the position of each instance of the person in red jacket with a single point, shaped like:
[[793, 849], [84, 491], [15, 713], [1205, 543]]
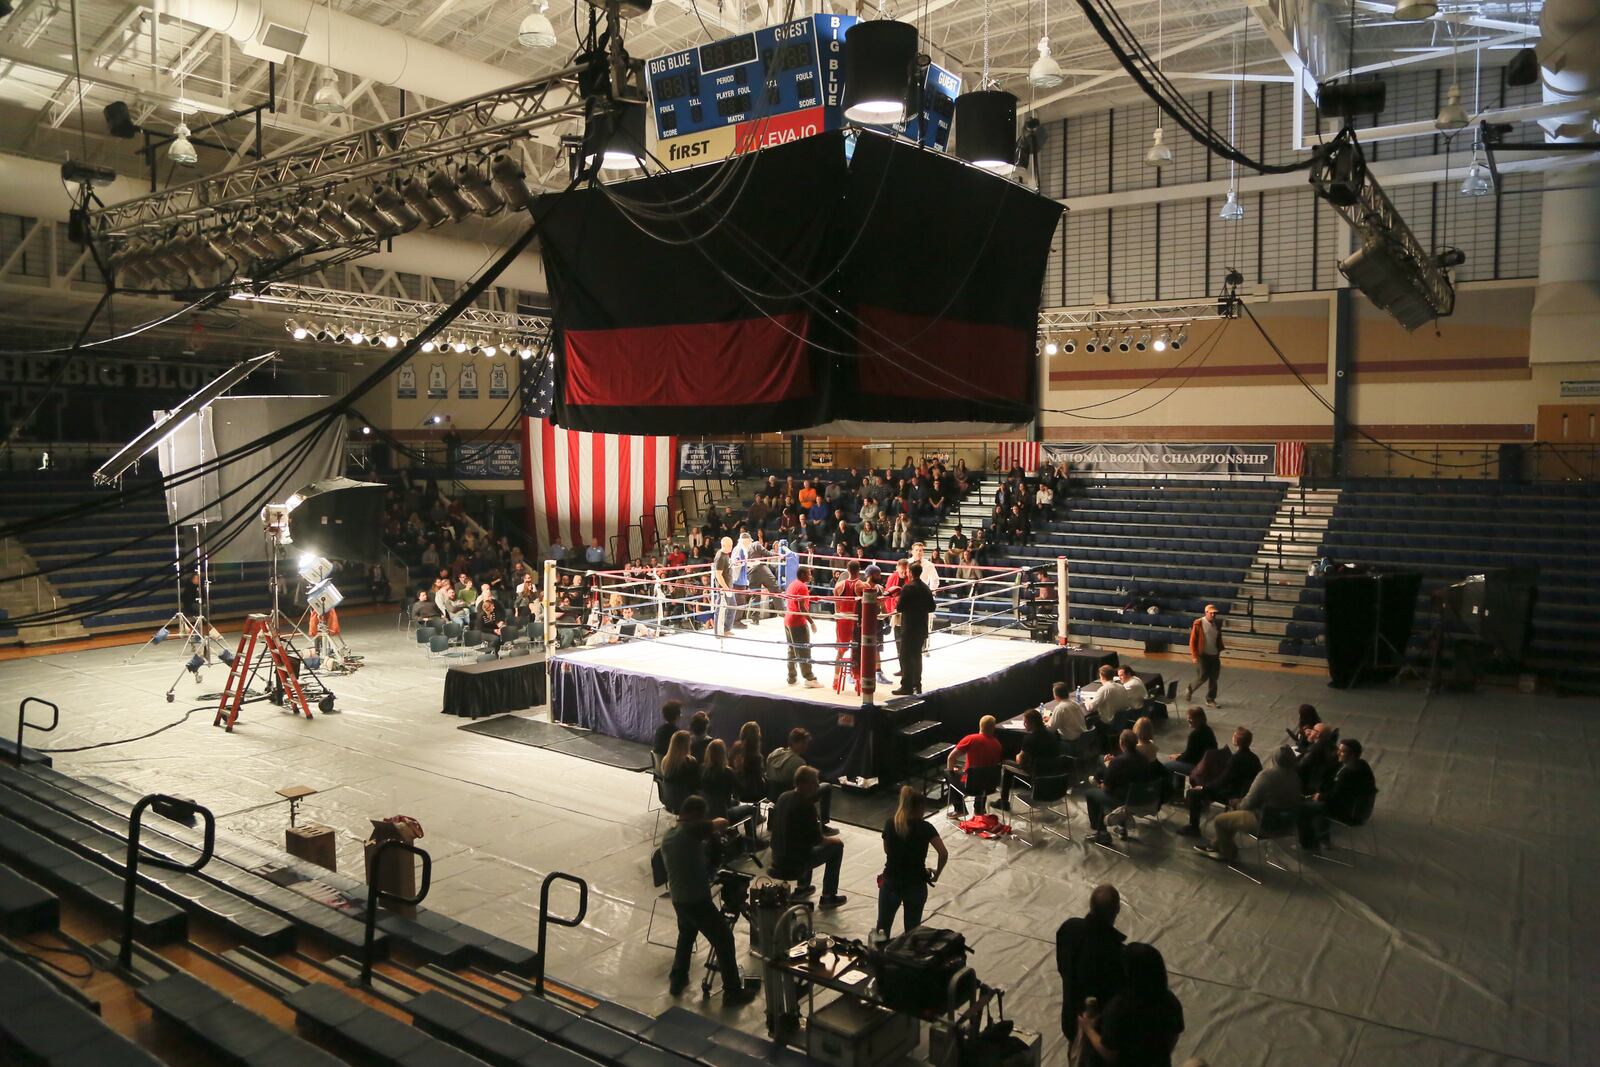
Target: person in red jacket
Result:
[[799, 626], [1205, 648]]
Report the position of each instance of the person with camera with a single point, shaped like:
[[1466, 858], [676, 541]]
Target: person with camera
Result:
[[685, 850], [799, 842], [903, 885]]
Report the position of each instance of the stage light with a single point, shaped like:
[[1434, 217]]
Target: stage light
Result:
[[326, 332], [165, 426], [314, 568], [428, 346], [310, 227], [226, 656], [448, 193], [340, 336], [366, 431], [1069, 346], [297, 331], [422, 202], [458, 346], [329, 100], [880, 58], [490, 350], [390, 340], [512, 182], [356, 336], [364, 211], [1045, 72], [1415, 10], [1478, 181], [536, 30], [1452, 116], [269, 234], [1143, 341], [614, 132], [474, 348], [1232, 210], [1091, 343], [1051, 348], [478, 190], [119, 121], [1126, 342], [436, 420], [1159, 155], [181, 150], [395, 209], [986, 130], [525, 352], [1162, 340], [335, 218]]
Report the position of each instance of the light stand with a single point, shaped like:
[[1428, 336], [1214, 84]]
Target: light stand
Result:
[[200, 639]]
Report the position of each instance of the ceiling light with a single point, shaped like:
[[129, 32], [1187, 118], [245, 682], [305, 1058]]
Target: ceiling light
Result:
[[181, 150], [477, 189], [311, 230], [356, 336], [1045, 72], [458, 346], [1051, 348], [395, 209], [1159, 155], [297, 331], [1478, 181], [363, 210], [390, 340], [536, 30], [340, 336], [323, 333], [422, 202], [329, 100], [1143, 341], [525, 352], [1452, 116], [1415, 10], [491, 351], [366, 431], [428, 346], [335, 218], [512, 182], [1126, 342], [880, 58], [986, 130], [1092, 344], [615, 133], [1232, 210], [1069, 346], [1180, 340], [267, 237], [1161, 341]]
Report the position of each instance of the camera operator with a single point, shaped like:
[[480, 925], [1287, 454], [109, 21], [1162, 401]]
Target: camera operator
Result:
[[685, 849]]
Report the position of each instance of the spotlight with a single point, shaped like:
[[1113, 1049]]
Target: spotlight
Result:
[[356, 336], [474, 348], [525, 352], [436, 420], [1452, 116], [226, 656], [880, 58], [1092, 343], [1069, 346], [374, 339], [196, 661], [1162, 340], [1051, 348], [1045, 72], [512, 182], [119, 121], [428, 346], [311, 229], [390, 340], [265, 231], [478, 190], [395, 209], [614, 132], [324, 333], [986, 130], [422, 202], [340, 336], [458, 346], [181, 150], [297, 331], [1232, 210], [1181, 339], [1159, 155], [366, 431], [448, 193], [536, 30], [364, 211], [329, 100], [160, 636], [1143, 341], [1126, 342], [490, 350], [336, 219]]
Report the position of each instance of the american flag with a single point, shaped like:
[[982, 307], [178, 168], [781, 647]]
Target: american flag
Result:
[[1024, 454], [1291, 459], [582, 485]]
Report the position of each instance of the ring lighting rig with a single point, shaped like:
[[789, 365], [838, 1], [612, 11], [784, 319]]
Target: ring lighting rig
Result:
[[341, 316], [347, 192]]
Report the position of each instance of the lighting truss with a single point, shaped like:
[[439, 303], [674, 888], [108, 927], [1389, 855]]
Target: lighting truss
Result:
[[394, 315], [1132, 316], [469, 128]]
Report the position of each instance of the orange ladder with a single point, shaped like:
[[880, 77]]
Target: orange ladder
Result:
[[256, 629]]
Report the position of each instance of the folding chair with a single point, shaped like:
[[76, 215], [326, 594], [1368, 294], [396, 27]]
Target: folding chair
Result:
[[1275, 827], [1360, 821], [425, 635], [979, 783], [1044, 805], [1142, 802]]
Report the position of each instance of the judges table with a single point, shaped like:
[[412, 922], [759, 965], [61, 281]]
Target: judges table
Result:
[[511, 683], [1084, 663]]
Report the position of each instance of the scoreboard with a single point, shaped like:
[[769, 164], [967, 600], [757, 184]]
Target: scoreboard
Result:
[[753, 90]]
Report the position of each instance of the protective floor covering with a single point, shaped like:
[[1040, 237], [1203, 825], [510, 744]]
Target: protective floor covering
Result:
[[1471, 940], [753, 660]]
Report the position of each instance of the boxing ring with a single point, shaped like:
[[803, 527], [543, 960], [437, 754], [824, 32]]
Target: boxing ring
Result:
[[667, 648]]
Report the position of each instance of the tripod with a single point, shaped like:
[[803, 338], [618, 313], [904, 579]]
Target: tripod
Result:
[[191, 622], [1382, 652]]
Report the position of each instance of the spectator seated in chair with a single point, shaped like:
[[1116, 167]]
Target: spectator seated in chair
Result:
[[799, 842], [720, 788], [1067, 717], [1319, 760], [1275, 787], [671, 711], [1347, 800], [1133, 684], [1122, 772], [979, 750], [1201, 740], [680, 772], [1219, 778], [784, 763], [1040, 755]]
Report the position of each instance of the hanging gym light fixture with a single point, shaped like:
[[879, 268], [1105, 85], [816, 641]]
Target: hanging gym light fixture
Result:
[[329, 100], [880, 58], [181, 151], [536, 30], [986, 130]]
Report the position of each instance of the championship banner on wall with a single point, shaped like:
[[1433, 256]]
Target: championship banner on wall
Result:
[[502, 459], [704, 459], [1166, 459]]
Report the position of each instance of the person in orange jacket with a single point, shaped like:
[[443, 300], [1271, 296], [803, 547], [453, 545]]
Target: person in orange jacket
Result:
[[1205, 648]]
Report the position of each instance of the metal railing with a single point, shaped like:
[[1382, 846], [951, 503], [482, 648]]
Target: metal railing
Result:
[[176, 808], [1534, 462], [374, 895], [545, 918], [24, 724]]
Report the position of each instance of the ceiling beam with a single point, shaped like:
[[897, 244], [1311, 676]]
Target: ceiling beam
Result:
[[1100, 79], [1438, 54]]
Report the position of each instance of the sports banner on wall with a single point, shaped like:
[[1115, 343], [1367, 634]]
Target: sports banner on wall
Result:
[[706, 459], [500, 459], [1161, 458]]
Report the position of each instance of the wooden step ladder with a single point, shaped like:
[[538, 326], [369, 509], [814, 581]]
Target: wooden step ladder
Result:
[[259, 646]]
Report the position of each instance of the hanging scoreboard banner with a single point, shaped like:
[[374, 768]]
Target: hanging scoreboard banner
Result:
[[931, 127], [755, 90]]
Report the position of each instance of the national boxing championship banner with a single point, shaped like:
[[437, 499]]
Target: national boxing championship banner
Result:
[[1159, 458]]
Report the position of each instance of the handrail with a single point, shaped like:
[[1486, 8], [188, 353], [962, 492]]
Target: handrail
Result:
[[24, 724], [545, 918], [374, 894], [179, 809]]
